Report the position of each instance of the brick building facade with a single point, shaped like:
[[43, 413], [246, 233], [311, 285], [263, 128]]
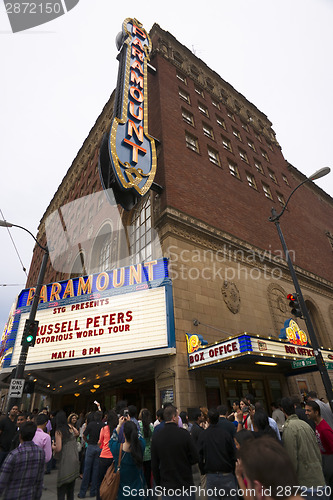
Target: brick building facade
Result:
[[221, 170]]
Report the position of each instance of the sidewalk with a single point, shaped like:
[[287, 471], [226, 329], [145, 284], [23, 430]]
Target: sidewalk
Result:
[[50, 482]]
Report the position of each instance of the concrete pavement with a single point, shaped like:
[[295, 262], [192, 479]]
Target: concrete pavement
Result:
[[50, 482]]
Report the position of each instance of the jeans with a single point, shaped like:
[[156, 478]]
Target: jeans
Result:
[[90, 473], [221, 486], [68, 489]]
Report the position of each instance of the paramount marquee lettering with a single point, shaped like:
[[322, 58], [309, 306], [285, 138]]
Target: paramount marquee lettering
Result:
[[85, 285], [132, 150]]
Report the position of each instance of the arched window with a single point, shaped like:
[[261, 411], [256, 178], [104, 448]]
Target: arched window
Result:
[[317, 324], [140, 233], [104, 256], [79, 268]]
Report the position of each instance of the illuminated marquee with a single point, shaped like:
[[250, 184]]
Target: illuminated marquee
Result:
[[119, 314], [242, 345], [131, 148]]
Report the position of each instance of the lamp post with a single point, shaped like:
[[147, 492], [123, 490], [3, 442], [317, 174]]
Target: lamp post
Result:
[[19, 372], [275, 217]]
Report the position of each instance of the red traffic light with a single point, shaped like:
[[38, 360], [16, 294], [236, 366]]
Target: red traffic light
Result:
[[292, 297]]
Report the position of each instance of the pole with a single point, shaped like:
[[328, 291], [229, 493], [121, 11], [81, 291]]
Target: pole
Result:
[[19, 372], [313, 339]]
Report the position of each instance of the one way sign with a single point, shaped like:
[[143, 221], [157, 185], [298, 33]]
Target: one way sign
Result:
[[16, 388]]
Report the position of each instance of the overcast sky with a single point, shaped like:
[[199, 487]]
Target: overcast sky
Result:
[[56, 78]]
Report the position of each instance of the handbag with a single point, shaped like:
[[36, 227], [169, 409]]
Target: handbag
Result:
[[110, 484]]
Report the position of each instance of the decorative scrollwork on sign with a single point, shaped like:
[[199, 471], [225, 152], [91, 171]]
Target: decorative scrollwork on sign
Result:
[[231, 296]]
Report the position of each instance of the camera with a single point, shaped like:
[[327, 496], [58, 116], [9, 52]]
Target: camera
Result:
[[126, 413]]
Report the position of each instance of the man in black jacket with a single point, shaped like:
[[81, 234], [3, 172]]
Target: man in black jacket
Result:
[[217, 457], [173, 453]]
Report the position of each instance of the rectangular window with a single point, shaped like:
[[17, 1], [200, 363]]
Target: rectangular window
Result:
[[220, 122], [208, 131], [270, 146], [216, 104], [285, 179], [258, 166], [251, 180], [251, 144], [199, 91], [257, 135], [192, 142], [182, 78], [272, 175], [187, 117], [233, 169], [236, 133], [264, 154], [267, 191], [184, 95], [226, 143], [214, 156], [243, 155], [203, 109], [245, 126], [280, 198], [231, 115]]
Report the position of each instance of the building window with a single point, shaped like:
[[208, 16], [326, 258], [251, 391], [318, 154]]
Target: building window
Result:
[[258, 166], [269, 145], [330, 238], [243, 155], [220, 122], [267, 191], [184, 95], [140, 234], [199, 91], [233, 169], [104, 252], [187, 117], [213, 156], [257, 135], [236, 133], [192, 142], [203, 109], [226, 143], [280, 198], [208, 131], [251, 145], [245, 126], [216, 104], [285, 179], [224, 96], [272, 175], [182, 78], [251, 180], [231, 115], [264, 154]]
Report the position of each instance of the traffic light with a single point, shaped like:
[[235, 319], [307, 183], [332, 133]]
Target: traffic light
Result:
[[29, 386], [294, 304], [29, 333]]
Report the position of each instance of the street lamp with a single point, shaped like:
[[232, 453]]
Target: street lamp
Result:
[[19, 372], [275, 217]]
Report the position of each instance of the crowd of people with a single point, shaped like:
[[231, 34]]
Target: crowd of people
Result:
[[217, 453]]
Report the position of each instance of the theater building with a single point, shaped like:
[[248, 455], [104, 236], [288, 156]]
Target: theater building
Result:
[[180, 295]]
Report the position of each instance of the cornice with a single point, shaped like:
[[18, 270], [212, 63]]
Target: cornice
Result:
[[172, 222]]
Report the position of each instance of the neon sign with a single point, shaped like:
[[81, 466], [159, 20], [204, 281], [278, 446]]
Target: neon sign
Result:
[[131, 149]]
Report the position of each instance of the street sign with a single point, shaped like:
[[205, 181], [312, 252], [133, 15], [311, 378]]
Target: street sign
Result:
[[16, 388], [302, 363]]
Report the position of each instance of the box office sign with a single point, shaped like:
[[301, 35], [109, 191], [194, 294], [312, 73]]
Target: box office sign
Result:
[[108, 321], [200, 354]]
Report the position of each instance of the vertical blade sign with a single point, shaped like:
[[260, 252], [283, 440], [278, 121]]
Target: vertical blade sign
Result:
[[132, 151]]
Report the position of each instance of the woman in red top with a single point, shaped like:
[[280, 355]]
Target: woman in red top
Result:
[[106, 458]]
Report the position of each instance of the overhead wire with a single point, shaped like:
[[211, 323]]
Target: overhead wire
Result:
[[16, 250]]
